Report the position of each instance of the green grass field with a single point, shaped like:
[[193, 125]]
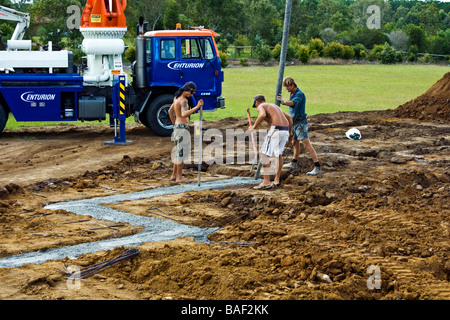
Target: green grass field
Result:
[[328, 89]]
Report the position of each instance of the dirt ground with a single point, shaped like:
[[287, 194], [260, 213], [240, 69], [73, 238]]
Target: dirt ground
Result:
[[381, 204]]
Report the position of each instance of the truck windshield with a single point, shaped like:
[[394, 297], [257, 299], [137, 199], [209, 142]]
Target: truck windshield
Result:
[[195, 48]]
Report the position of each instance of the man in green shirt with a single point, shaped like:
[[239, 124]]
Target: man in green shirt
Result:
[[296, 105]]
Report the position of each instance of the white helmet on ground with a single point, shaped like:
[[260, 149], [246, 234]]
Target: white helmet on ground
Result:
[[353, 134]]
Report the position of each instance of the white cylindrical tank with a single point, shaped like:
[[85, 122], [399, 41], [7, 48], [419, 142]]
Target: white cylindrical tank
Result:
[[103, 46], [19, 44]]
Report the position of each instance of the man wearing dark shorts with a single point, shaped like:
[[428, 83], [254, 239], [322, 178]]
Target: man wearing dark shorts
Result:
[[296, 103]]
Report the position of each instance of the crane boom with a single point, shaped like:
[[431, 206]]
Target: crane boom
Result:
[[23, 21]]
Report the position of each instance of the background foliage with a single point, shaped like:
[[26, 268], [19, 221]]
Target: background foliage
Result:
[[411, 26]]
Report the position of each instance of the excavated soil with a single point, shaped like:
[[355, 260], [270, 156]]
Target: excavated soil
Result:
[[382, 203], [432, 105]]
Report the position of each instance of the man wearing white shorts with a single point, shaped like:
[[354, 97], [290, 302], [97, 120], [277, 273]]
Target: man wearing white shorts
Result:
[[280, 132]]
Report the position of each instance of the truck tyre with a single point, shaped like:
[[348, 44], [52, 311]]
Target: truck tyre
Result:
[[158, 115], [3, 118]]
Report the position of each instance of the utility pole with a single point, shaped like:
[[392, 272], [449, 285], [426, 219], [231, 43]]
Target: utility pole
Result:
[[287, 20]]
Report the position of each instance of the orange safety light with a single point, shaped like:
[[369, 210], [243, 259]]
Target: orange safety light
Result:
[[178, 26], [104, 14]]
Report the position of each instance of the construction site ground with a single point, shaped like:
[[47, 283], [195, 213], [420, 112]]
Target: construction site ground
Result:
[[381, 205]]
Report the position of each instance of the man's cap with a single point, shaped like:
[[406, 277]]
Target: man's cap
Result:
[[258, 97], [189, 86]]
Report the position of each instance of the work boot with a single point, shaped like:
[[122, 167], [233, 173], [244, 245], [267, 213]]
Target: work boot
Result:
[[315, 171], [291, 166]]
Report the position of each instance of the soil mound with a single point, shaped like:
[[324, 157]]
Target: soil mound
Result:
[[432, 105]]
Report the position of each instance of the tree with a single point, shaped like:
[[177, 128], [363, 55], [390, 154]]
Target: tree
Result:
[[304, 14], [440, 43], [224, 16], [416, 37], [6, 31], [399, 39], [49, 18], [368, 37], [429, 18], [328, 35], [334, 14], [171, 14], [151, 10], [359, 9], [262, 15], [411, 17], [240, 41]]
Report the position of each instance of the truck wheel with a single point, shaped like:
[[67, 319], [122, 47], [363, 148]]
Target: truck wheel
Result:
[[3, 118], [158, 115]]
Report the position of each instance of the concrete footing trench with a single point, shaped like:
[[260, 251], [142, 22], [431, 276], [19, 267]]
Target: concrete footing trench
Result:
[[156, 229]]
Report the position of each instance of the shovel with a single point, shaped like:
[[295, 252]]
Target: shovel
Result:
[[200, 145], [253, 141]]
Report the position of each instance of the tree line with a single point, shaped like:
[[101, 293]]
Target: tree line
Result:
[[412, 27]]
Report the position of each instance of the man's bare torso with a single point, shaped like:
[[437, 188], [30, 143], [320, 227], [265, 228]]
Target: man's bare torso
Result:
[[181, 105], [274, 115]]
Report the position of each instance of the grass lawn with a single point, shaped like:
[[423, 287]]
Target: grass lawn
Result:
[[328, 89]]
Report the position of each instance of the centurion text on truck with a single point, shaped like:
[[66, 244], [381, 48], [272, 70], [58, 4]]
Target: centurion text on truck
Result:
[[45, 85]]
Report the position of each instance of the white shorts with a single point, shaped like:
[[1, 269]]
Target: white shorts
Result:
[[275, 141]]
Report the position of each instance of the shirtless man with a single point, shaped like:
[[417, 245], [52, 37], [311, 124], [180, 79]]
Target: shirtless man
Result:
[[280, 132], [179, 114]]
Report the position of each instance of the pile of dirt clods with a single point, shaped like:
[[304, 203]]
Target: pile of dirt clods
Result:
[[432, 105]]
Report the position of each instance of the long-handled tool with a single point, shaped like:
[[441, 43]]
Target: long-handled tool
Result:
[[258, 169], [200, 145], [253, 141]]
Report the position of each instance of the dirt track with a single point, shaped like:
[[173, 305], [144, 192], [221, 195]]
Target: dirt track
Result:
[[382, 201]]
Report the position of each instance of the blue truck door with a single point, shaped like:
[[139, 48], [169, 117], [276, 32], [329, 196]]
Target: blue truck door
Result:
[[198, 64], [166, 62]]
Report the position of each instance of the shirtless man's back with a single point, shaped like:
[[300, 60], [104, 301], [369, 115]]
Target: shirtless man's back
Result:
[[280, 132]]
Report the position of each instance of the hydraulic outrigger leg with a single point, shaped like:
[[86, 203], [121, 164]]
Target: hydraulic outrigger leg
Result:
[[119, 114]]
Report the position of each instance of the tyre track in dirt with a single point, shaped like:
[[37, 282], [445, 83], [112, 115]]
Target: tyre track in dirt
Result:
[[395, 264]]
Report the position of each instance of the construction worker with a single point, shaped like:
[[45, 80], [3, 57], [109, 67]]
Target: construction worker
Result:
[[179, 114], [279, 133], [296, 103]]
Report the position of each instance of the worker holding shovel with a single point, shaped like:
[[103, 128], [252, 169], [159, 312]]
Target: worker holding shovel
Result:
[[280, 132], [179, 114]]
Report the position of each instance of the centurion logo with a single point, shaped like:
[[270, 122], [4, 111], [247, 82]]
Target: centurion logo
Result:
[[30, 96], [175, 65]]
